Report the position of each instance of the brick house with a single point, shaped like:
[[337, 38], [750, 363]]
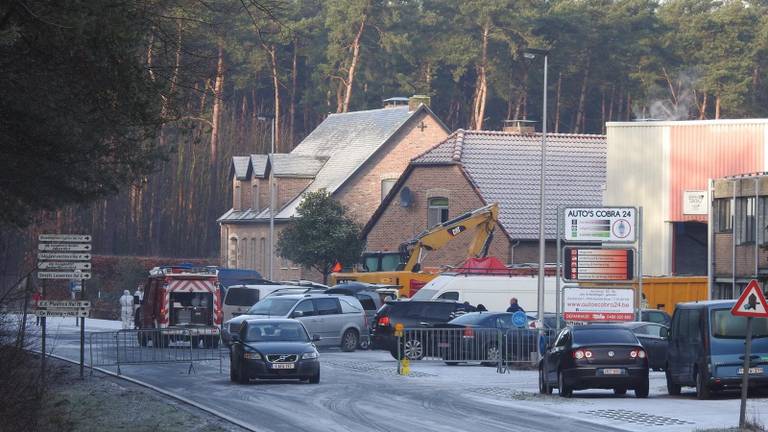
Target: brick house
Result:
[[356, 156], [739, 210], [473, 168]]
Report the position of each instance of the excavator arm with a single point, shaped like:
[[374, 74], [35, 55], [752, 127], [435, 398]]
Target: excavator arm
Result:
[[482, 220]]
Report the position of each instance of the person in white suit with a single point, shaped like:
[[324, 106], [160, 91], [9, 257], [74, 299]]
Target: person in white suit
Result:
[[126, 309]]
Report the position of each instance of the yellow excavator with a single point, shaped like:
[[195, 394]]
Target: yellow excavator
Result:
[[403, 268]]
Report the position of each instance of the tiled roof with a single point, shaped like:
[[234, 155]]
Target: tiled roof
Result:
[[332, 153], [296, 165], [505, 168], [240, 167]]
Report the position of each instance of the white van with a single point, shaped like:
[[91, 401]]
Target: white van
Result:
[[239, 298], [491, 291]]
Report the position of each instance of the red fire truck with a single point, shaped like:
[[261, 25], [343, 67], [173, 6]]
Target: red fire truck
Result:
[[182, 302]]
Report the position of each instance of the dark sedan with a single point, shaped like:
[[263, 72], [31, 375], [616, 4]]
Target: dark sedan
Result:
[[595, 356], [273, 349], [654, 339]]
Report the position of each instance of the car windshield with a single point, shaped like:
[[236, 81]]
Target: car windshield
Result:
[[727, 326], [240, 296], [424, 294], [473, 318], [276, 332], [272, 306], [603, 336]]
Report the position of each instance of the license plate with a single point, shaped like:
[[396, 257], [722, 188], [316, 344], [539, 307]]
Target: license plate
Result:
[[613, 371], [752, 371], [283, 366]]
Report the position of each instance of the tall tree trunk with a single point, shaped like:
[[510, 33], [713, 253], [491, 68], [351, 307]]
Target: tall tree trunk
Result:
[[272, 51], [582, 99], [292, 106], [481, 84], [628, 112], [703, 106], [353, 65], [557, 101], [217, 93], [610, 103], [717, 107], [602, 110]]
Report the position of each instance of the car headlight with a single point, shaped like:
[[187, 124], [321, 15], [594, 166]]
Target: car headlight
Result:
[[310, 355], [252, 356]]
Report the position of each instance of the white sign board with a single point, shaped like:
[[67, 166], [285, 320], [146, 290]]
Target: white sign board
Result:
[[63, 275], [63, 256], [65, 238], [695, 202], [600, 224], [63, 247], [598, 304], [82, 313], [63, 265], [67, 304]]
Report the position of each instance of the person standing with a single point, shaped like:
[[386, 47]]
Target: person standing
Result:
[[36, 297], [513, 306], [126, 309]]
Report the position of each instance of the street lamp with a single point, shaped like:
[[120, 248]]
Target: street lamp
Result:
[[531, 53], [265, 117]]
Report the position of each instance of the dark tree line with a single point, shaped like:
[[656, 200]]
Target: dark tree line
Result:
[[149, 99]]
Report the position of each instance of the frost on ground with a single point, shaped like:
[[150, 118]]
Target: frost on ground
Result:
[[102, 403]]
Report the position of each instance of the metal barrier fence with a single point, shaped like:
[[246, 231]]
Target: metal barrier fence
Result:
[[132, 347], [488, 346]]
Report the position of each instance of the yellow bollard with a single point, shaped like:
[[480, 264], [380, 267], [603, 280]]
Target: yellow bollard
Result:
[[405, 367]]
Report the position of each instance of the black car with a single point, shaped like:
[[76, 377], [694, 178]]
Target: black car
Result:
[[480, 339], [595, 356], [654, 339], [273, 349], [412, 314]]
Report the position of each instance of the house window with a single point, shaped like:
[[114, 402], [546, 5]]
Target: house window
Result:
[[745, 217], [723, 213], [246, 254], [236, 197], [252, 263], [386, 186], [232, 253], [255, 197], [264, 257], [761, 225], [437, 212]]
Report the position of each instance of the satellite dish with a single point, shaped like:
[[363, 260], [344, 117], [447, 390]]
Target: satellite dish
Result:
[[406, 197]]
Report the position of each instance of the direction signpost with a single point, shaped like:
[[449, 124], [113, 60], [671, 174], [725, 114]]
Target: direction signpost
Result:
[[751, 304], [67, 257]]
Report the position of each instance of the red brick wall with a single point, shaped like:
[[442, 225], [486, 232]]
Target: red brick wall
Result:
[[398, 224], [745, 257], [362, 194], [288, 188]]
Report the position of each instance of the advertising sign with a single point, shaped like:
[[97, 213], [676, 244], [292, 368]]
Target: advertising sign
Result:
[[598, 304], [589, 264], [600, 224]]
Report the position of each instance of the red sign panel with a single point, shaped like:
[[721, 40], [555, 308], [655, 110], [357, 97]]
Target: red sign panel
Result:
[[597, 316], [599, 264]]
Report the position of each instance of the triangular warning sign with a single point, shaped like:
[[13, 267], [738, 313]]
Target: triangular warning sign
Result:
[[751, 303]]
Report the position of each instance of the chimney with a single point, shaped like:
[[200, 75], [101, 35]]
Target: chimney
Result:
[[395, 102], [416, 100], [519, 127]]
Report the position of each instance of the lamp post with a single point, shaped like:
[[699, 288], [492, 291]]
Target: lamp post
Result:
[[265, 117], [532, 53]]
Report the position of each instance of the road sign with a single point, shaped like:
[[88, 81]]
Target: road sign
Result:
[[63, 256], [63, 275], [589, 264], [64, 304], [81, 313], [600, 224], [63, 265], [751, 303], [64, 247], [66, 238], [598, 304], [519, 319]]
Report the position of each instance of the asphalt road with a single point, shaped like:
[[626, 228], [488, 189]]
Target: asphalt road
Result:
[[357, 392]]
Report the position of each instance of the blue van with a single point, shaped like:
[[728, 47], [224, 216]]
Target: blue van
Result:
[[706, 349]]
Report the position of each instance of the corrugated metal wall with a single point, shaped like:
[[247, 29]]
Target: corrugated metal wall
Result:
[[703, 150], [636, 176]]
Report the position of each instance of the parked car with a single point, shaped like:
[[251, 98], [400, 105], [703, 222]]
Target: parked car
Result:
[[412, 314], [338, 320], [305, 283], [655, 316], [595, 356], [706, 349], [480, 339], [654, 339], [274, 349], [369, 298], [239, 298]]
